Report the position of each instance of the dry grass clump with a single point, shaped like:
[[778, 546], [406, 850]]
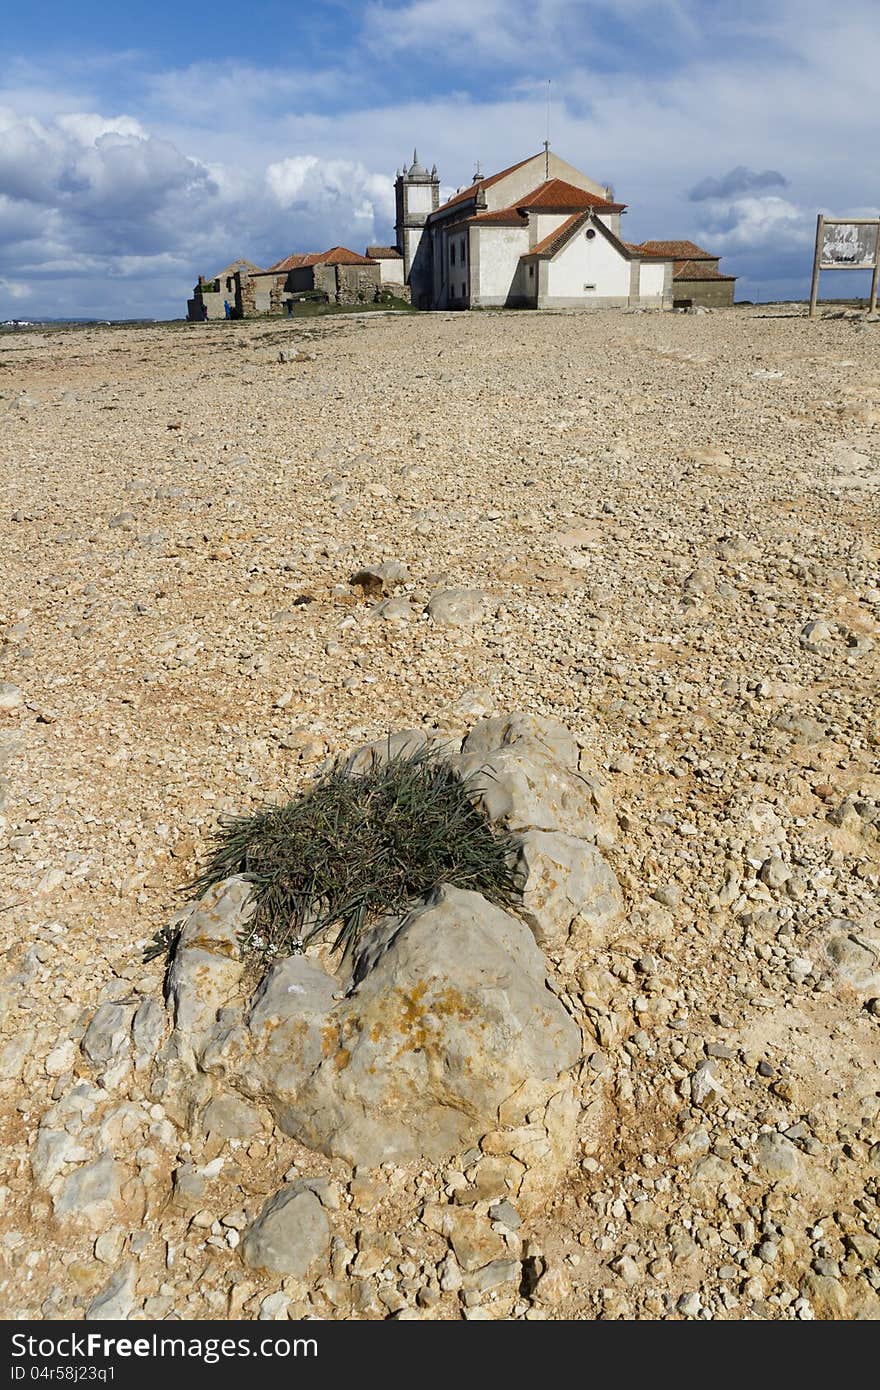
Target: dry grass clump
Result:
[[358, 847]]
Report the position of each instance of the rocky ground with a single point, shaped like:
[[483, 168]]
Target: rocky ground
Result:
[[665, 531]]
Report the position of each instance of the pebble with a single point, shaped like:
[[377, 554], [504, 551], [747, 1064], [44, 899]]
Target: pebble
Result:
[[11, 697]]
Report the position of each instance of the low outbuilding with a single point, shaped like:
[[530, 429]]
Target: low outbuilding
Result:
[[696, 280]]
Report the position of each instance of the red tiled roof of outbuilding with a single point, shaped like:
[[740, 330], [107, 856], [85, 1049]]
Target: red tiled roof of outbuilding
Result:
[[337, 255], [281, 267], [674, 250], [697, 270]]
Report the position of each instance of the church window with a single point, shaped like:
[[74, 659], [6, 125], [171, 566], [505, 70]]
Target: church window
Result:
[[452, 253]]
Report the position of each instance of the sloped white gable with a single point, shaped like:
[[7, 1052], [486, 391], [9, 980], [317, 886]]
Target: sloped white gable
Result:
[[584, 261]]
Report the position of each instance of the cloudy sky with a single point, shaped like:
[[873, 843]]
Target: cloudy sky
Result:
[[144, 143]]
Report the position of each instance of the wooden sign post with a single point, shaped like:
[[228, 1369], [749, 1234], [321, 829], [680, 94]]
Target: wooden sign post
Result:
[[846, 243]]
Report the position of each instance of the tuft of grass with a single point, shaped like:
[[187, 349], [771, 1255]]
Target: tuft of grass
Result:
[[358, 847]]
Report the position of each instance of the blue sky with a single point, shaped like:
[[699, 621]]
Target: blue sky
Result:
[[145, 143]]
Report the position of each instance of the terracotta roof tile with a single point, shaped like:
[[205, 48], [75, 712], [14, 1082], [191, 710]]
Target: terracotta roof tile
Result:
[[337, 255], [508, 217], [555, 195], [471, 192], [281, 267], [674, 250], [559, 196], [697, 270], [550, 244], [513, 216], [383, 253]]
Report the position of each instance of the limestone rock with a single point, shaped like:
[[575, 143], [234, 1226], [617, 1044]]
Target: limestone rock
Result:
[[229, 1117], [827, 1296], [88, 1189], [107, 1035], [816, 635], [700, 583], [11, 697], [450, 1019], [61, 1059], [524, 793], [376, 580], [852, 957], [207, 967], [777, 1157], [535, 733], [52, 1150], [398, 610], [569, 892], [290, 1235], [457, 607], [403, 744], [290, 1009], [472, 1239], [147, 1030], [116, 1300]]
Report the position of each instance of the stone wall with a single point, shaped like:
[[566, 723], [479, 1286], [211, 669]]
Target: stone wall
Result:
[[210, 299], [709, 294], [347, 284], [260, 294], [253, 296], [399, 291]]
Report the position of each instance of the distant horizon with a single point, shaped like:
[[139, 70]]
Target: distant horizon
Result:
[[36, 320], [134, 158]]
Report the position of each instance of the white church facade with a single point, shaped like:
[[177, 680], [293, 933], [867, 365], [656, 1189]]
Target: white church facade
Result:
[[539, 234]]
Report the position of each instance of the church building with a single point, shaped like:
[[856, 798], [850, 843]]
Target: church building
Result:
[[538, 235]]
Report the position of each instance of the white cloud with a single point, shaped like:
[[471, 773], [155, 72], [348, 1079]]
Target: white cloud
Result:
[[324, 187], [287, 179], [58, 164], [469, 26], [106, 201], [86, 127], [81, 195], [15, 289], [758, 221]]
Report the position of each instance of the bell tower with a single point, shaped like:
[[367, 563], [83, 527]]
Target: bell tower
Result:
[[417, 195]]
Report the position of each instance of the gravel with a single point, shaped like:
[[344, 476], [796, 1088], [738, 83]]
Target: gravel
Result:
[[659, 530]]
